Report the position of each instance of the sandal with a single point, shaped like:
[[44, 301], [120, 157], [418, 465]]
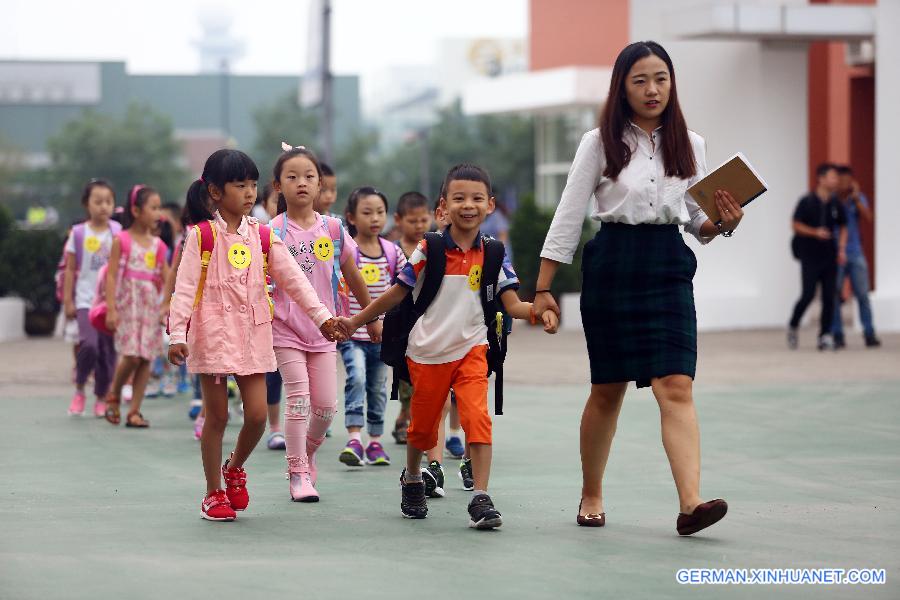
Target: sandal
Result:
[[136, 420], [112, 414], [590, 519]]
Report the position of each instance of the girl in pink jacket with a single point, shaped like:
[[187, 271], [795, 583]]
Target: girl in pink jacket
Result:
[[308, 361], [220, 291]]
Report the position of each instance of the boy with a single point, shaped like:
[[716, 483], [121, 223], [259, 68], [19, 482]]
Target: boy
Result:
[[328, 196], [448, 345]]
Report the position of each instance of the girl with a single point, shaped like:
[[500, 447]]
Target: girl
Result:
[[378, 260], [306, 360], [266, 206], [221, 289], [637, 301], [87, 250], [133, 293]]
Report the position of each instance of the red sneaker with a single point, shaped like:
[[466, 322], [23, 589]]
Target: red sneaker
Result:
[[236, 485], [216, 507]]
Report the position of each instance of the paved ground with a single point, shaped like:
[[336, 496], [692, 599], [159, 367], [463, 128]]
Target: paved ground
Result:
[[803, 445]]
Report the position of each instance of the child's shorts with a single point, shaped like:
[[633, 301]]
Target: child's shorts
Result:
[[432, 383]]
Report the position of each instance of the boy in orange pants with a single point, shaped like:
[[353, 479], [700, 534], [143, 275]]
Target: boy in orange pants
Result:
[[448, 344]]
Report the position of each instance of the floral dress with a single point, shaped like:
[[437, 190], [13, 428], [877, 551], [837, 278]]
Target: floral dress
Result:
[[139, 332]]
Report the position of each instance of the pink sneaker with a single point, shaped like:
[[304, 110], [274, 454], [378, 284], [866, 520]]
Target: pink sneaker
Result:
[[301, 486], [198, 427], [99, 408], [76, 408]]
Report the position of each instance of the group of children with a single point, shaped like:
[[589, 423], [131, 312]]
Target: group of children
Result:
[[277, 296]]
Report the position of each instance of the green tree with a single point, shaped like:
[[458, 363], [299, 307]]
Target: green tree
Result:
[[282, 121], [139, 147]]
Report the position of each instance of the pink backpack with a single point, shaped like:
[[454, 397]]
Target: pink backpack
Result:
[[97, 314], [77, 232]]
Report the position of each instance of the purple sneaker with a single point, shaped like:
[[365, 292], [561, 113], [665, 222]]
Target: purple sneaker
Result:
[[352, 454], [375, 455]]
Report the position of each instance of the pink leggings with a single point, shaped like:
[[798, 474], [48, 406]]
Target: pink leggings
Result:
[[310, 385]]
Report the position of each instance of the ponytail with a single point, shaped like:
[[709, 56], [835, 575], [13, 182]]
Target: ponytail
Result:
[[197, 203]]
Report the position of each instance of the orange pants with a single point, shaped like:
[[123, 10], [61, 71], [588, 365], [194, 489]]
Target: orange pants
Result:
[[431, 384]]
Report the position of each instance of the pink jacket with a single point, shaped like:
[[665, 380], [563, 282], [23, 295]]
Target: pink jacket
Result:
[[231, 331]]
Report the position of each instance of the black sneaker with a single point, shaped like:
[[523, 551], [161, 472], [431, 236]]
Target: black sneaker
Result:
[[412, 499], [839, 342], [465, 474], [433, 476], [482, 514], [872, 342], [399, 433]]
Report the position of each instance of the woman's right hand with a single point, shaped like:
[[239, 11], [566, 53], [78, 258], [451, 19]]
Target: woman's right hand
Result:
[[544, 301], [69, 309], [177, 354], [112, 319]]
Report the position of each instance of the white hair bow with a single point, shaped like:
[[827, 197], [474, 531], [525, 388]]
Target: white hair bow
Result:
[[287, 147]]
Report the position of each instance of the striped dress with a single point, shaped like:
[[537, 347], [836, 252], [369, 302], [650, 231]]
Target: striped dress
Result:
[[378, 274]]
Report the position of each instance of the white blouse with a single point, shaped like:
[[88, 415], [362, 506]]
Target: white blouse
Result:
[[641, 194]]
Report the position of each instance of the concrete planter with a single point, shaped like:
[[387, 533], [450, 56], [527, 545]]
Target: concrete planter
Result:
[[12, 319]]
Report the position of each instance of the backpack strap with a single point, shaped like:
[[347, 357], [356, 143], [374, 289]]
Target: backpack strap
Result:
[[494, 253], [265, 241], [206, 240], [124, 251], [336, 232], [78, 235], [279, 228], [390, 253], [435, 267]]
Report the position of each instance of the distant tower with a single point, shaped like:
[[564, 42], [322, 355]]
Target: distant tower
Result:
[[218, 48]]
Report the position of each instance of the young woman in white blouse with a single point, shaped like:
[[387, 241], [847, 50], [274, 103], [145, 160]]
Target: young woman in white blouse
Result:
[[637, 301]]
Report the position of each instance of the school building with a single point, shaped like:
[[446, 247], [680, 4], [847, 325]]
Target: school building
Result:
[[208, 110], [789, 83]]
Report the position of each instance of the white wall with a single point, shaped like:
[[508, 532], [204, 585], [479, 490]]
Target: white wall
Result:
[[886, 301], [751, 97]]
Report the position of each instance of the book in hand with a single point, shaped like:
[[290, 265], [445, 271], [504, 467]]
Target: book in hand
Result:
[[737, 177]]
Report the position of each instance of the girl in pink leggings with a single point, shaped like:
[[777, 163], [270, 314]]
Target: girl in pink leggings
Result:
[[308, 361]]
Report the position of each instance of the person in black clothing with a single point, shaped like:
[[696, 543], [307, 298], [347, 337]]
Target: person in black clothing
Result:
[[817, 215]]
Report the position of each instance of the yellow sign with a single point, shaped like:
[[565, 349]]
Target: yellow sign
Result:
[[91, 244], [371, 273], [475, 278], [239, 256], [323, 248]]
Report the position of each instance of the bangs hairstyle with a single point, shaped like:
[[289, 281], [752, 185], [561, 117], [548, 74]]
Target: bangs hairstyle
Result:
[[466, 172], [678, 155], [223, 166], [353, 203], [327, 171], [95, 183], [137, 198], [411, 201], [823, 168], [279, 166]]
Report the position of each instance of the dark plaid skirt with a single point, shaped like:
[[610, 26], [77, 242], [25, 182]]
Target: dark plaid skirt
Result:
[[637, 303]]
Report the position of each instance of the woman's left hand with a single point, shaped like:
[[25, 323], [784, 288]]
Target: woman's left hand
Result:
[[730, 210]]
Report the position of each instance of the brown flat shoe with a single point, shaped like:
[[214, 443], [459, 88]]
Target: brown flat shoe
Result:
[[590, 519], [703, 516], [136, 420]]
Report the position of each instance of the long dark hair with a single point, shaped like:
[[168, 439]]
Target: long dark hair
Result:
[[223, 166], [137, 198], [353, 203], [678, 156], [279, 165]]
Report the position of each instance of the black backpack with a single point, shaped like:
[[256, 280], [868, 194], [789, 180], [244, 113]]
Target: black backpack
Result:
[[399, 321]]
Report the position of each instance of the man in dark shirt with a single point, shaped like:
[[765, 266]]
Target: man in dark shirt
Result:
[[817, 215]]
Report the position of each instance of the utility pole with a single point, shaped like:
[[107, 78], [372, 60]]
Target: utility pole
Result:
[[327, 87]]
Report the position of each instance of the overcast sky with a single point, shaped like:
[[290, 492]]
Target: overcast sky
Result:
[[154, 36]]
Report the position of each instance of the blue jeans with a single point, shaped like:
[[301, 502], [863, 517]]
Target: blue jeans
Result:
[[858, 271], [366, 384]]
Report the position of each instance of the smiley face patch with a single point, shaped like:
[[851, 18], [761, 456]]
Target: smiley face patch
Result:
[[323, 248], [91, 244], [150, 259], [239, 256], [475, 278], [371, 273]]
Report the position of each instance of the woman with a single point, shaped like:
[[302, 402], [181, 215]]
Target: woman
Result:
[[637, 300]]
